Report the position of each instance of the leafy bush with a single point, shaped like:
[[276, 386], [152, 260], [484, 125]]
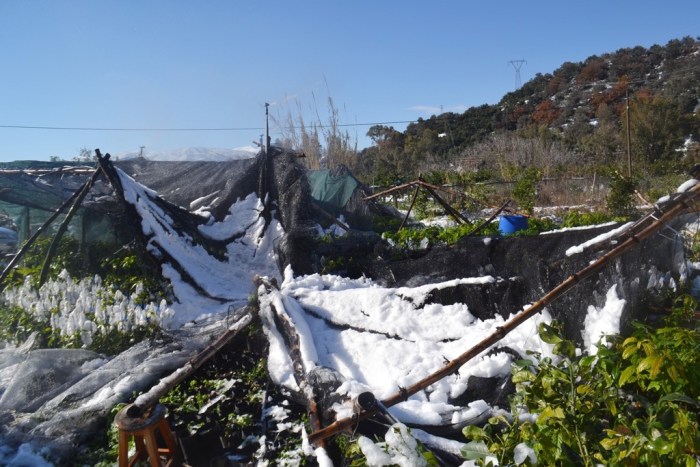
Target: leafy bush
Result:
[[635, 403], [537, 225], [620, 200], [525, 189], [579, 219], [415, 238], [66, 258]]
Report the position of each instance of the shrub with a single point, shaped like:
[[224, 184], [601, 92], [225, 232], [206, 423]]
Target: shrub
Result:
[[634, 403], [620, 200], [525, 189]]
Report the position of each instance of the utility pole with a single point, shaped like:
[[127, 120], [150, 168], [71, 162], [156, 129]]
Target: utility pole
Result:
[[517, 64], [267, 128], [629, 145]]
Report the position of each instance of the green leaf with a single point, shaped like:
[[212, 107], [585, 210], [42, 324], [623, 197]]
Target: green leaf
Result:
[[475, 450], [679, 397], [628, 351], [565, 348], [549, 334], [662, 446], [588, 361], [523, 376], [474, 432], [646, 364], [610, 443], [627, 375], [549, 412]]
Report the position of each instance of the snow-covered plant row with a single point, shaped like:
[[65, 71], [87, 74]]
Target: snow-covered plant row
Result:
[[87, 307]]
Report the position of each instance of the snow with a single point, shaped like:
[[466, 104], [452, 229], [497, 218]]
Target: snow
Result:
[[523, 452], [599, 239], [379, 339], [398, 448], [223, 283], [600, 322], [193, 154]]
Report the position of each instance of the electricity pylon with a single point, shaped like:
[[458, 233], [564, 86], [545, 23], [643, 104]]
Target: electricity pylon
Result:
[[517, 64]]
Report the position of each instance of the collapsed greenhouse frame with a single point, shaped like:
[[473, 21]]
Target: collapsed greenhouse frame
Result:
[[298, 219]]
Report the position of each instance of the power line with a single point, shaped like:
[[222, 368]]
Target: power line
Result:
[[76, 128]]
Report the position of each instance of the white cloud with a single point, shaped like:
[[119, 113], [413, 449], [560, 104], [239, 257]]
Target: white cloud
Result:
[[437, 110]]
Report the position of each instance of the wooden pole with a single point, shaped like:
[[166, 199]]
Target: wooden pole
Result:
[[629, 138], [390, 190], [329, 216], [450, 210], [165, 385], [410, 208], [677, 207], [493, 216]]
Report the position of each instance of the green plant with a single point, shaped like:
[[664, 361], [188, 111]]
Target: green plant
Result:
[[525, 189], [635, 403], [578, 218], [126, 271], [348, 448], [66, 257], [620, 200], [537, 225], [16, 325]]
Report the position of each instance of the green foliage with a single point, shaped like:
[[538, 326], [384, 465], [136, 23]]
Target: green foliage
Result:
[[413, 237], [620, 200], [635, 403], [348, 449], [126, 271], [115, 342], [537, 225], [206, 399], [104, 450], [66, 257], [525, 189], [16, 325], [579, 219]]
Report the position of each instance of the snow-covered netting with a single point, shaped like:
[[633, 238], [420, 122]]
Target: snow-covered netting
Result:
[[330, 337], [379, 339], [52, 399]]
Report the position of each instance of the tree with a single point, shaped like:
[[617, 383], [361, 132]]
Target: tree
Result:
[[655, 127], [85, 155]]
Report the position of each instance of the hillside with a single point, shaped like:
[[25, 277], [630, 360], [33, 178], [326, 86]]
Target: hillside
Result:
[[580, 108]]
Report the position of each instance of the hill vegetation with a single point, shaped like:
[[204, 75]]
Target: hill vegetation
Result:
[[572, 122]]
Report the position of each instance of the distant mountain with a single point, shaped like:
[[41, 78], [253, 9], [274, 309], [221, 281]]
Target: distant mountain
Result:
[[193, 154]]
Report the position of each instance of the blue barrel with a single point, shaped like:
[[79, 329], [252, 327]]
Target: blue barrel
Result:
[[511, 224]]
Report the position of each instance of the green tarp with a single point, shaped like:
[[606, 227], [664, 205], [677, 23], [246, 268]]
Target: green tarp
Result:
[[331, 192]]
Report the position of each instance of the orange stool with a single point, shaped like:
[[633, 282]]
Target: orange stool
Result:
[[143, 429]]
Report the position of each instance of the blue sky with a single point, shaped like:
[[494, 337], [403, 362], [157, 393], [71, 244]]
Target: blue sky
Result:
[[213, 64]]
